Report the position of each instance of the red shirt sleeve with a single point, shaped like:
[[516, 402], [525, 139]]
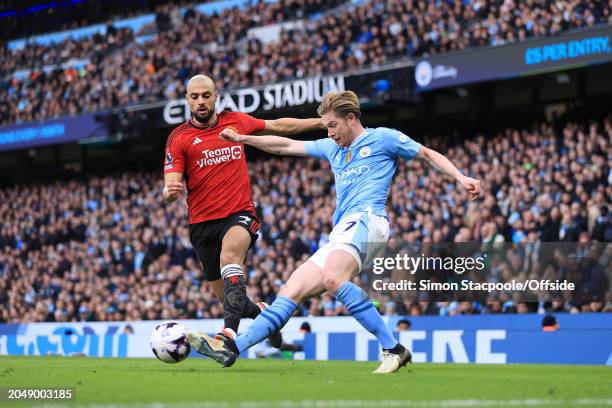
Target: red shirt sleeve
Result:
[[174, 160], [252, 125]]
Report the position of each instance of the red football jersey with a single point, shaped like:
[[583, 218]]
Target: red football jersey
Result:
[[214, 170]]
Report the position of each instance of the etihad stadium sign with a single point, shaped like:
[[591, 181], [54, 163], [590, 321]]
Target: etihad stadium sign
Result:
[[274, 96], [375, 87]]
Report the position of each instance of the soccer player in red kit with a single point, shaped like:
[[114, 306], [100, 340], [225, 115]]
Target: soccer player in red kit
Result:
[[222, 220]]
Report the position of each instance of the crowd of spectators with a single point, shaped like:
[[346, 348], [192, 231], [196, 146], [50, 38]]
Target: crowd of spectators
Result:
[[116, 69], [66, 15], [107, 248], [113, 69]]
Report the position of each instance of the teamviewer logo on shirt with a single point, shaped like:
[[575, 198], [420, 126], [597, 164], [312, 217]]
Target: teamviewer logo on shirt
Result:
[[219, 156]]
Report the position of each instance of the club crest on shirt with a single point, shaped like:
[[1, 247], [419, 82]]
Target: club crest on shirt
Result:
[[365, 151]]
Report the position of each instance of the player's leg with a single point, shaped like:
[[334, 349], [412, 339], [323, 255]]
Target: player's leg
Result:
[[234, 246], [251, 311], [207, 241], [305, 282], [342, 264], [340, 267], [208, 249], [357, 239]]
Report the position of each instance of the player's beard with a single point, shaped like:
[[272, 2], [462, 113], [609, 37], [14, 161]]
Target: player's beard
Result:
[[203, 118]]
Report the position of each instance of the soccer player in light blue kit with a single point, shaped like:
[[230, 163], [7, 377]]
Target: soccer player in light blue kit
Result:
[[363, 161]]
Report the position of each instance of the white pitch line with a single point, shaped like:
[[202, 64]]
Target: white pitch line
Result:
[[467, 403]]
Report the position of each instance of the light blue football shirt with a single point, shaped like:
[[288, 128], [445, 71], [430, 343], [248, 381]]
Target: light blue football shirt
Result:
[[365, 169]]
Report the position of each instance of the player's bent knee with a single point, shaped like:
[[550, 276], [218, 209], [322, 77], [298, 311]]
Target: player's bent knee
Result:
[[230, 257], [331, 281]]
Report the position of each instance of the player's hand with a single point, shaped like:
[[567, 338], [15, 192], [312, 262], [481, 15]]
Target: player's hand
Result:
[[173, 191], [230, 136], [472, 186]]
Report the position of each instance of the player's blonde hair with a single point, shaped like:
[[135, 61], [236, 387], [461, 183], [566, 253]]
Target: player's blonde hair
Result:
[[341, 103]]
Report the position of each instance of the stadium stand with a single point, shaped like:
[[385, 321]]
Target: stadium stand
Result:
[[103, 248], [93, 73], [124, 67], [35, 19]]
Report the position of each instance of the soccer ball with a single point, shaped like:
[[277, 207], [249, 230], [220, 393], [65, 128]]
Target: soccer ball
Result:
[[169, 342]]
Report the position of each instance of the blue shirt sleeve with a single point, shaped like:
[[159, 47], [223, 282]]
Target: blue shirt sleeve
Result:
[[320, 149], [398, 144]]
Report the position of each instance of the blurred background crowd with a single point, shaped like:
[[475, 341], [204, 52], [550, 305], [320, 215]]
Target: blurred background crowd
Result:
[[99, 248], [107, 248], [121, 66]]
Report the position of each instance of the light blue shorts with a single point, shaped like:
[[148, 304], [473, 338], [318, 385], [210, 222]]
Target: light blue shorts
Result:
[[361, 234]]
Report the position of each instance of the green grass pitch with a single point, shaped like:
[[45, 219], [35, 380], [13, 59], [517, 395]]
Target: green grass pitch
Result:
[[300, 384]]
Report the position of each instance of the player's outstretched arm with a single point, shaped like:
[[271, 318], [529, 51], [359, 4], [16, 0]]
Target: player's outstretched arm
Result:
[[270, 144], [442, 164], [292, 126]]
